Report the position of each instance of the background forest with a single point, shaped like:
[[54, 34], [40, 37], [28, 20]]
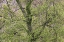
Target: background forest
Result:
[[31, 20]]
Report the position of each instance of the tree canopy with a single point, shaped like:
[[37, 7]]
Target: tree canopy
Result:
[[31, 21]]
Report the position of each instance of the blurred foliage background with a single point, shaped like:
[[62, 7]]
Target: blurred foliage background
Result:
[[47, 18]]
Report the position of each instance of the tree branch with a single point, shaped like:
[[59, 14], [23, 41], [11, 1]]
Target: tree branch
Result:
[[22, 8]]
